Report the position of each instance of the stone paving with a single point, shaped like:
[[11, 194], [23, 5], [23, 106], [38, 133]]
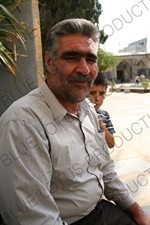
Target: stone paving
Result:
[[130, 114]]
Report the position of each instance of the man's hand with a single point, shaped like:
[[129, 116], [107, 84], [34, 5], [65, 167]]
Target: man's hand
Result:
[[138, 215]]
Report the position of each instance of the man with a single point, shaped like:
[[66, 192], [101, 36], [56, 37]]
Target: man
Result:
[[97, 96], [54, 169]]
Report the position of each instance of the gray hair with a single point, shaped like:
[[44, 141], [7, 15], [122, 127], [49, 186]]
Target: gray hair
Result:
[[70, 26]]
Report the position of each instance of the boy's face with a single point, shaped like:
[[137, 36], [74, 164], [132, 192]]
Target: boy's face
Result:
[[97, 95]]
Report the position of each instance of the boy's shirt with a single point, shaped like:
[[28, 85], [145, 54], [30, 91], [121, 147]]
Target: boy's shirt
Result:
[[106, 120]]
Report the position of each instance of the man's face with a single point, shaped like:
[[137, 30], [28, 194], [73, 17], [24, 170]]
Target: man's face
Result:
[[71, 74], [97, 95]]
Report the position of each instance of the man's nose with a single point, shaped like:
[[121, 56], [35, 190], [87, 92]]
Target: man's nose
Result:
[[82, 67]]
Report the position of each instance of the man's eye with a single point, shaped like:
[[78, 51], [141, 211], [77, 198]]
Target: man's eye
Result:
[[71, 58], [92, 60]]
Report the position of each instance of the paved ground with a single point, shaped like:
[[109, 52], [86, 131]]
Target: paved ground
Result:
[[130, 114]]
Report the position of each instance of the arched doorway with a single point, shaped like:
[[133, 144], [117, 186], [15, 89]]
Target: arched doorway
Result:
[[124, 71]]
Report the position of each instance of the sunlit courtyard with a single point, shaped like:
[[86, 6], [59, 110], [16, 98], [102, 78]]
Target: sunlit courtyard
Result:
[[130, 114]]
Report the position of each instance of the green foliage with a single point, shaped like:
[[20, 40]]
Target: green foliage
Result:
[[106, 60], [11, 30], [52, 12], [145, 82]]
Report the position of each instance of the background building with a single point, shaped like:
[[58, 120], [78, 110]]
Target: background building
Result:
[[136, 47], [133, 61]]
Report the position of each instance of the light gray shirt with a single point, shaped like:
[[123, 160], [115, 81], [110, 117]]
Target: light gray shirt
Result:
[[54, 166]]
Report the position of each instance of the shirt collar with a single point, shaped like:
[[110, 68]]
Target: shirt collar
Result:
[[58, 110], [84, 107]]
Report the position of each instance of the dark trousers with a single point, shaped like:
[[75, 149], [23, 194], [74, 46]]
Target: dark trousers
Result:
[[106, 213]]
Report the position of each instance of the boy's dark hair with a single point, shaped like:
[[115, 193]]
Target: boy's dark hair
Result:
[[101, 80]]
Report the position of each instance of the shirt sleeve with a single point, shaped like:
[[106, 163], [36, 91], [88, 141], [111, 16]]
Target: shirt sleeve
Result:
[[114, 188], [26, 171], [109, 124], [106, 120]]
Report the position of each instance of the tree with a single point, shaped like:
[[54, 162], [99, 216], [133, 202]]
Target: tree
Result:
[[52, 12], [106, 60]]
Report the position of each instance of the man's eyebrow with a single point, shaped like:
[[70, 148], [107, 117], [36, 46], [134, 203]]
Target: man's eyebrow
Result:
[[71, 53], [79, 54]]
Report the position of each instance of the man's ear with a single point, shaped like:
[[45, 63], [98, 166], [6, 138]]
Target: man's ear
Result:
[[48, 60]]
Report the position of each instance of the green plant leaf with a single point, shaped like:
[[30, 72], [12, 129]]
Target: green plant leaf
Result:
[[7, 60], [11, 31], [8, 13]]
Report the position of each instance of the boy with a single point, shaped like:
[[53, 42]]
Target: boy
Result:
[[97, 96]]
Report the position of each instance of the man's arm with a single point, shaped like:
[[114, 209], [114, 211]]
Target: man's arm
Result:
[[117, 191], [138, 215], [26, 171]]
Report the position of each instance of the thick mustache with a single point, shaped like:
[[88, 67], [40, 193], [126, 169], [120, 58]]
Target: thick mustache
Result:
[[80, 78]]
